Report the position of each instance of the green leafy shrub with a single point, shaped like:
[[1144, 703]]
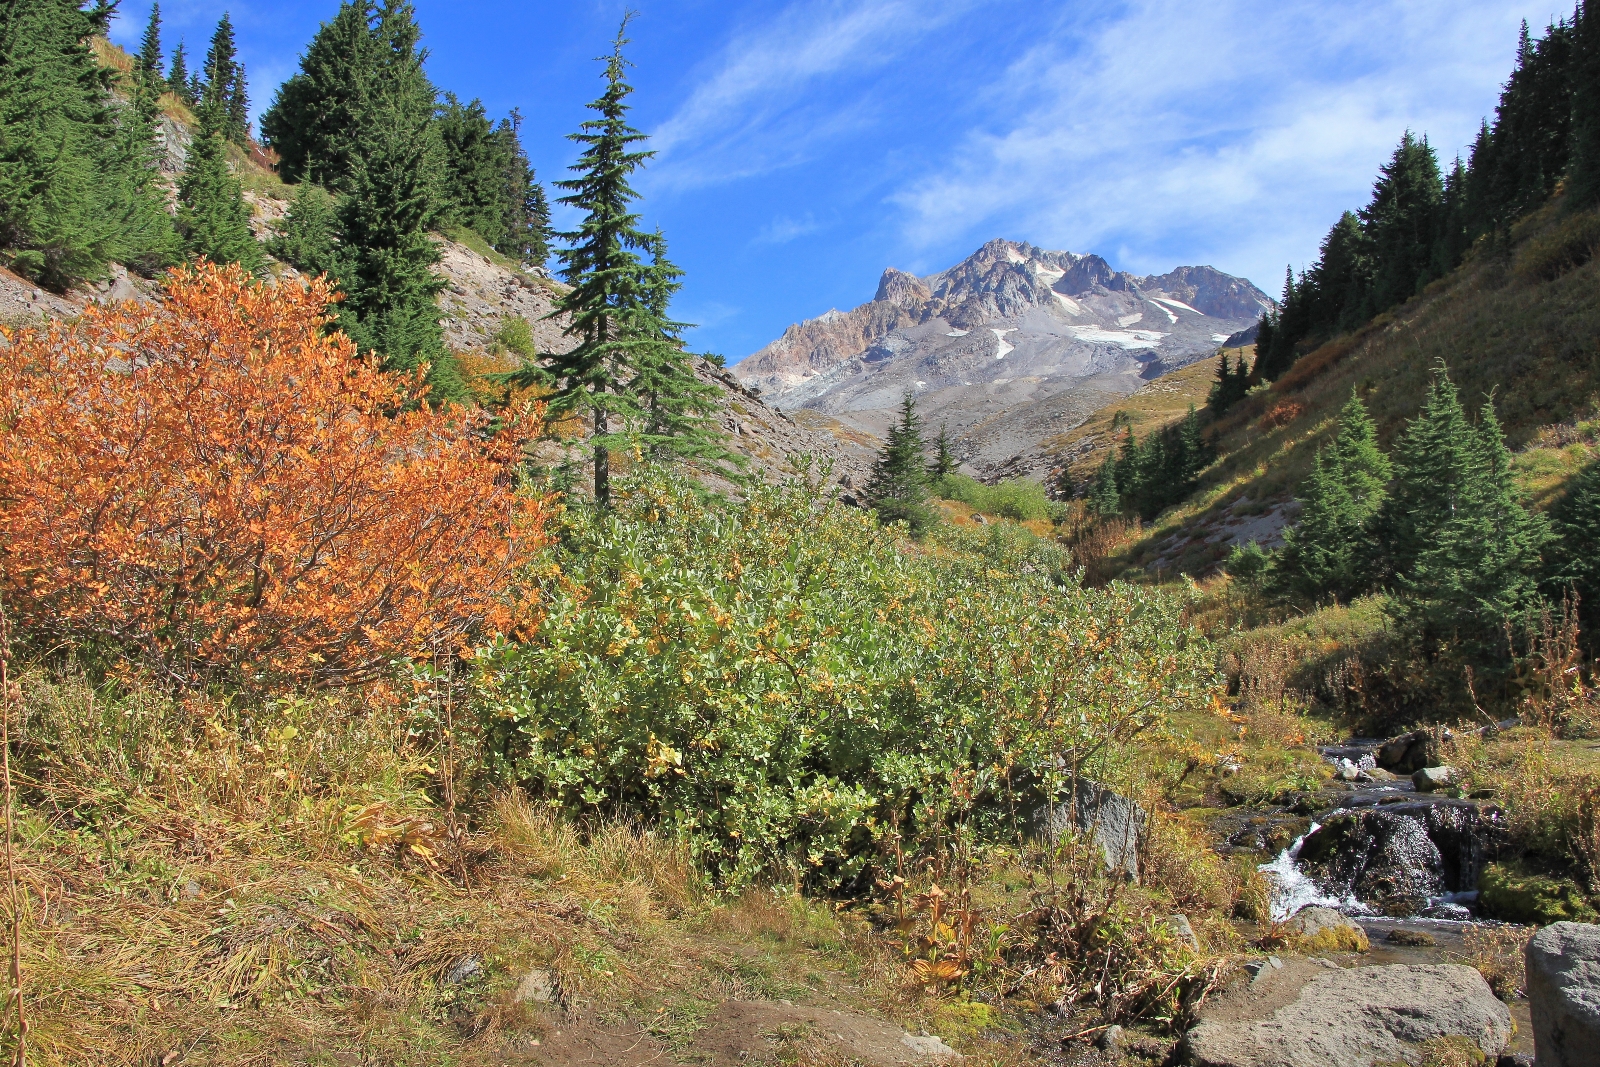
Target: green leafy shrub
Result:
[[1015, 498], [775, 681]]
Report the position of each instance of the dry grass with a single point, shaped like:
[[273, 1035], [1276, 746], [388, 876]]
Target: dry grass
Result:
[[1497, 953]]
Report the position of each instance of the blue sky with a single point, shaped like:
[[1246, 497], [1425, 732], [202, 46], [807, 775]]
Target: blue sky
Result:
[[806, 145]]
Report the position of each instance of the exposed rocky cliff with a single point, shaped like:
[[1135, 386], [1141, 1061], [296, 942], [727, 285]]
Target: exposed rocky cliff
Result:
[[1010, 346]]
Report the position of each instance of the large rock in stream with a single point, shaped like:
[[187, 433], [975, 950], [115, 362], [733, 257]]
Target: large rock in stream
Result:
[[1311, 1013], [1564, 994], [1399, 855]]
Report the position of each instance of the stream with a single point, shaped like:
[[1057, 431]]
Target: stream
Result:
[[1377, 847]]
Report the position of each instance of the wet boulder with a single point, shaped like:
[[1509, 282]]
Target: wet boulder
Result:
[[1410, 752], [1564, 994], [1398, 855]]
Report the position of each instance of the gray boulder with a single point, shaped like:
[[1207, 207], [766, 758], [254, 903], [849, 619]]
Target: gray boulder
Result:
[[1429, 779], [1320, 929], [1312, 1012], [1409, 752], [1113, 822], [1564, 994]]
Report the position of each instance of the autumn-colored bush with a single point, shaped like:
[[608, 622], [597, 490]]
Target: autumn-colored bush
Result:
[[1281, 414], [214, 484]]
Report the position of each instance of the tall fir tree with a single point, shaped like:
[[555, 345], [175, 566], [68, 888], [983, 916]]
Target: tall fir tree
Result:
[[316, 118], [1104, 499], [1402, 222], [148, 63], [1583, 191], [944, 457], [1470, 552], [526, 212], [213, 218], [1574, 565], [898, 488], [76, 182], [1229, 386], [222, 95], [178, 74], [628, 372], [1326, 555], [387, 257]]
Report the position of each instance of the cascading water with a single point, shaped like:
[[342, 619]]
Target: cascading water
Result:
[[1293, 889]]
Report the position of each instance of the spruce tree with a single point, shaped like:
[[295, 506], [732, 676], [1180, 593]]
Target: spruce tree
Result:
[[475, 166], [944, 457], [317, 116], [1326, 555], [178, 75], [148, 63], [1574, 564], [1583, 190], [213, 219], [307, 236], [679, 408], [387, 256], [238, 124], [223, 82], [1104, 500], [1474, 549], [1402, 221], [76, 187], [628, 372], [898, 489], [527, 215], [1229, 386]]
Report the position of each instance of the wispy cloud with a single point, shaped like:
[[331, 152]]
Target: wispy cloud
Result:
[[783, 229], [1229, 129], [767, 99]]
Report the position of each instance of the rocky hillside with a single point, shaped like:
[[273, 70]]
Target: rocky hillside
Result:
[[1011, 346]]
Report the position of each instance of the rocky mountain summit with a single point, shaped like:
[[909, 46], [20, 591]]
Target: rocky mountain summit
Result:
[[1009, 346]]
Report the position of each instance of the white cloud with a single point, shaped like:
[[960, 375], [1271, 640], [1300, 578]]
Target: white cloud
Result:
[[783, 229], [756, 106], [1233, 130]]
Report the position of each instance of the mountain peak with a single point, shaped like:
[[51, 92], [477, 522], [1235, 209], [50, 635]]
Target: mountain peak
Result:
[[896, 286]]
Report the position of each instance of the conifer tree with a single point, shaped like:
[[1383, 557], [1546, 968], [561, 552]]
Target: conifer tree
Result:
[[1472, 550], [307, 236], [221, 97], [213, 219], [527, 214], [1104, 500], [178, 75], [1574, 564], [898, 489], [1229, 386], [944, 457], [679, 408], [475, 166], [238, 125], [628, 372], [387, 257], [1326, 554], [148, 63], [1583, 191], [1402, 222], [316, 118], [76, 188]]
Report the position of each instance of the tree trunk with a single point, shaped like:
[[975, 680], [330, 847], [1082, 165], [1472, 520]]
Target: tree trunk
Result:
[[602, 461]]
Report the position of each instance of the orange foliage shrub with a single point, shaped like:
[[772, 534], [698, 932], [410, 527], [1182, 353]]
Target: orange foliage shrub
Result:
[[212, 485], [1281, 414]]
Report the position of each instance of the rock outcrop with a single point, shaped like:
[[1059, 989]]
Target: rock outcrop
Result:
[[1311, 1012], [1564, 994]]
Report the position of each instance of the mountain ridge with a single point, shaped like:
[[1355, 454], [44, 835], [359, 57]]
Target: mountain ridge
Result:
[[1007, 347]]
